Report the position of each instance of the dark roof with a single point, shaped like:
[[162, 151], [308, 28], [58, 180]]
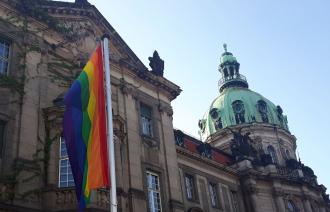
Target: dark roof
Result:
[[195, 145]]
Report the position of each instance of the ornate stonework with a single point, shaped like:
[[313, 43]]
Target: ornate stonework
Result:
[[50, 41]]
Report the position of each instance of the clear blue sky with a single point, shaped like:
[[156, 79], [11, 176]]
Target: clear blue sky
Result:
[[283, 48]]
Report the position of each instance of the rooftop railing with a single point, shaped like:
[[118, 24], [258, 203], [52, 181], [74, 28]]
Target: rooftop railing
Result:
[[235, 77]]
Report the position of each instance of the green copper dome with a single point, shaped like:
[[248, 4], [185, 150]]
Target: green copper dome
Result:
[[227, 57], [237, 104], [240, 106]]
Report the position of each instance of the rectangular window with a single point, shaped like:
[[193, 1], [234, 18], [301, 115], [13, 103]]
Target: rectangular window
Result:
[[213, 194], [190, 187], [235, 201], [146, 120], [4, 56], [153, 192], [2, 136], [65, 173]]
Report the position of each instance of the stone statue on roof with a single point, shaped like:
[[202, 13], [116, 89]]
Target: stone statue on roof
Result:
[[156, 64]]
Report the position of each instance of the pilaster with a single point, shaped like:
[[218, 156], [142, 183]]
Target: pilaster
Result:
[[251, 191], [307, 205], [278, 194]]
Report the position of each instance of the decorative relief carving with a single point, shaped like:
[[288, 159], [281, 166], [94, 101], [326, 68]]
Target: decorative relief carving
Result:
[[119, 127], [66, 197], [6, 192], [257, 144], [278, 192], [251, 189], [103, 199], [161, 108], [123, 86], [164, 108], [241, 147], [169, 111]]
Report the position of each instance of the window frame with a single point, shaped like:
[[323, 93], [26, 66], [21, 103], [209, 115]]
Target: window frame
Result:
[[143, 118], [263, 110], [7, 60], [193, 192], [64, 157], [294, 207], [235, 201], [270, 150], [239, 115], [216, 192], [157, 191], [288, 154]]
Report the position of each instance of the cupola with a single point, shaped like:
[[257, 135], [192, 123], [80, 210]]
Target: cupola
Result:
[[237, 104], [229, 69]]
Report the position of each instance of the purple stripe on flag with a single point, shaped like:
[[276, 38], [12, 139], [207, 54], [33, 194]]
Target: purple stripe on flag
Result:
[[72, 131]]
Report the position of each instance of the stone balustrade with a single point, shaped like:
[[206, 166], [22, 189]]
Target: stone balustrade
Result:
[[66, 198], [6, 192], [103, 198], [296, 174]]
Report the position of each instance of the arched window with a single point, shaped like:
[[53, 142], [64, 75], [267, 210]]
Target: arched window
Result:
[[262, 108], [216, 118], [225, 72], [238, 108], [291, 206], [231, 69], [288, 155], [271, 151], [201, 124], [4, 56], [214, 113], [218, 123]]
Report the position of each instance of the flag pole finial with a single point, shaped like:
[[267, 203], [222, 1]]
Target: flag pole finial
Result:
[[105, 35]]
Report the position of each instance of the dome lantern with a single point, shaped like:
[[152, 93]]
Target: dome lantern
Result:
[[229, 69]]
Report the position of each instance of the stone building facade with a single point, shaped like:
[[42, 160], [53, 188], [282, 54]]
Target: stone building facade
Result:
[[246, 161]]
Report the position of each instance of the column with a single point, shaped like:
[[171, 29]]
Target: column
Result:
[[322, 209]]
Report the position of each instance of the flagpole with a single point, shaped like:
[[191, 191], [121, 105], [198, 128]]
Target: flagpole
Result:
[[111, 146]]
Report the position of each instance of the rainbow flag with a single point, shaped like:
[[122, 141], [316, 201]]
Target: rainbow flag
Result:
[[84, 129]]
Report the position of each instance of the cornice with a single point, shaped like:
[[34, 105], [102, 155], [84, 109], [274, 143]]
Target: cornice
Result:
[[249, 127], [286, 179], [160, 82]]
